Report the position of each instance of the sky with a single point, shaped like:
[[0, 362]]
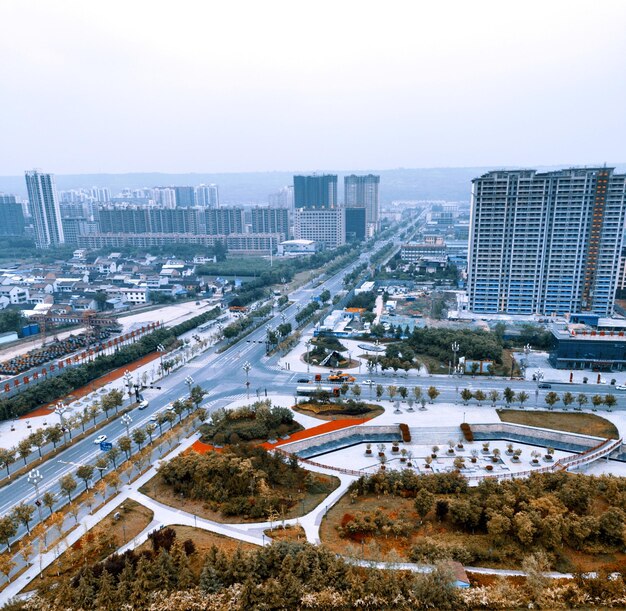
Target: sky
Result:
[[179, 86]]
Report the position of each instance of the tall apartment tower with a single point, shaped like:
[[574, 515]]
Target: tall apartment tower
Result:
[[44, 206], [546, 243], [362, 192], [315, 192], [207, 196], [11, 216]]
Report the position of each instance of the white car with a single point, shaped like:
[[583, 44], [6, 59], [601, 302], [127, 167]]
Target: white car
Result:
[[153, 418], [99, 439], [143, 404], [620, 387], [368, 382]]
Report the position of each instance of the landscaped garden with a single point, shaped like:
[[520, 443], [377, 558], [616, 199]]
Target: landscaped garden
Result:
[[576, 521]]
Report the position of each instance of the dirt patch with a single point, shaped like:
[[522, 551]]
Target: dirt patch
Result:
[[334, 411], [103, 539], [158, 490], [288, 533], [584, 424], [327, 427]]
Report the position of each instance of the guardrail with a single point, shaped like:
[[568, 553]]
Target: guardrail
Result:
[[317, 464]]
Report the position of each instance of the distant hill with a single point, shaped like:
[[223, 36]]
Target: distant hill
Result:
[[452, 184]]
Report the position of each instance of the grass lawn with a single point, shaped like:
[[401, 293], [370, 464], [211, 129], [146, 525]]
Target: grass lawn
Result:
[[584, 424], [159, 491], [397, 549], [288, 533], [334, 411]]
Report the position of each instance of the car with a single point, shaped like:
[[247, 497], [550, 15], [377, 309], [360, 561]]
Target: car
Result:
[[620, 387], [368, 382], [545, 385], [143, 404], [153, 418], [99, 439], [303, 380]]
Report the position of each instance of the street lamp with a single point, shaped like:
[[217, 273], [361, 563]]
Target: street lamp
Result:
[[247, 367], [128, 378], [538, 376], [34, 478], [59, 410], [161, 350], [126, 421], [308, 349], [455, 349], [189, 382]]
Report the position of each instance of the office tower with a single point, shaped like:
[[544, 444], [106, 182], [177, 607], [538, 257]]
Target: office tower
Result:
[[355, 224], [207, 196], [269, 220], [362, 192], [546, 243], [44, 206], [325, 226], [104, 194], [11, 216], [315, 192], [185, 196]]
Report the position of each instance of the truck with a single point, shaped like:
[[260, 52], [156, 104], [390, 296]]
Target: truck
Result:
[[339, 376]]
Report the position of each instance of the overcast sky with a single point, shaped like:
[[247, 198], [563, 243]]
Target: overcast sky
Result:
[[179, 86]]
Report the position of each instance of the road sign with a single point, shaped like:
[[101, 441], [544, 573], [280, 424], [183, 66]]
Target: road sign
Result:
[[105, 446]]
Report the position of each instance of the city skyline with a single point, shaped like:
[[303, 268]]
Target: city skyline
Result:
[[446, 85]]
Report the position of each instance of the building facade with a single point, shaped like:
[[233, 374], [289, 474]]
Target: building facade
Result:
[[315, 192], [11, 216], [327, 227], [545, 243], [356, 226], [207, 196], [269, 220], [44, 206], [362, 192]]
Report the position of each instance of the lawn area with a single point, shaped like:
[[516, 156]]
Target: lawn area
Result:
[[158, 490], [103, 539], [584, 424], [288, 533]]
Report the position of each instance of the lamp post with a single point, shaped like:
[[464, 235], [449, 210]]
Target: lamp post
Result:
[[126, 421], [59, 410], [455, 349], [538, 375], [34, 478], [161, 350], [526, 353], [128, 379], [308, 349], [247, 367], [189, 382]]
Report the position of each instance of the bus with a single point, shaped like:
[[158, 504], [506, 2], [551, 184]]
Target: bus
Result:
[[312, 391]]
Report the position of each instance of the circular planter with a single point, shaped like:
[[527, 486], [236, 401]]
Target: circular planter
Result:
[[450, 450], [534, 462], [402, 459], [548, 458], [473, 459], [382, 467], [426, 466], [381, 453], [395, 449], [489, 467], [515, 459], [433, 456], [459, 446]]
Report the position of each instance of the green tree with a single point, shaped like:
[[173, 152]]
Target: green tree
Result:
[[24, 448], [8, 529], [568, 399], [7, 458], [480, 396], [23, 513], [610, 401], [423, 503], [38, 439], [551, 399], [102, 464], [417, 392], [597, 401], [379, 391], [403, 391], [522, 397], [113, 454], [197, 394], [509, 396], [179, 408], [68, 484], [392, 391], [433, 393], [53, 434], [125, 444], [494, 397], [139, 437], [49, 499], [466, 395], [85, 472], [581, 399]]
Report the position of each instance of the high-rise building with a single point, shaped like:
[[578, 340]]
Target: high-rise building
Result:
[[185, 196], [165, 196], [269, 220], [11, 216], [315, 192], [283, 198], [207, 196], [355, 224], [44, 206], [546, 243], [325, 226], [362, 192]]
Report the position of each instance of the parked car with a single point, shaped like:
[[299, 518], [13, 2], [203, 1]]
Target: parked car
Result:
[[153, 418], [143, 404], [620, 387], [99, 439], [545, 385], [303, 380], [368, 382]]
